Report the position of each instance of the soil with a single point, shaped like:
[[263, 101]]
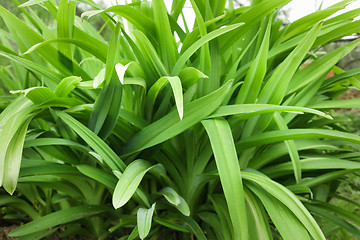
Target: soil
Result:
[[4, 232], [350, 94]]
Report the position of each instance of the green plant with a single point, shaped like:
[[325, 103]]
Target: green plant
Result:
[[226, 138]]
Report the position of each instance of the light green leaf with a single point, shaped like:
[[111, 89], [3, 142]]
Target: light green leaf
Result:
[[309, 20], [291, 146], [13, 158], [319, 67], [22, 205], [190, 76], [99, 79], [183, 207], [57, 218], [175, 84], [170, 126], [311, 164], [256, 73], [336, 104], [99, 51], [65, 25], [288, 199], [38, 95], [113, 52], [11, 120], [30, 3], [284, 220], [193, 48], [99, 175], [228, 167], [245, 111], [275, 88], [135, 17], [165, 36], [99, 146], [281, 135], [66, 86], [144, 219], [170, 195], [120, 70], [129, 181], [257, 218]]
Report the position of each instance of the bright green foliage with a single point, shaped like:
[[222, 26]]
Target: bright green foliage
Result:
[[159, 132]]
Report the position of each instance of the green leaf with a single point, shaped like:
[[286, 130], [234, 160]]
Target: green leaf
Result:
[[326, 177], [284, 196], [170, 126], [99, 175], [228, 167], [310, 164], [66, 86], [57, 218], [135, 17], [175, 84], [183, 207], [106, 109], [38, 95], [189, 76], [99, 146], [120, 70], [170, 195], [337, 104], [22, 205], [63, 64], [193, 226], [165, 36], [245, 111], [257, 218], [31, 2], [65, 24], [309, 20], [129, 181], [256, 73], [99, 51], [284, 220], [275, 88], [250, 17], [291, 146], [281, 135], [319, 67], [149, 53], [322, 210], [113, 52], [144, 219], [171, 224], [99, 79], [13, 158], [11, 119], [193, 48]]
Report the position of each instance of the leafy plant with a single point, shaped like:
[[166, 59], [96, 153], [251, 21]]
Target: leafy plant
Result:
[[164, 133]]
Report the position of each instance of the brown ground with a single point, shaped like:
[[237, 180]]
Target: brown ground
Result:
[[4, 232]]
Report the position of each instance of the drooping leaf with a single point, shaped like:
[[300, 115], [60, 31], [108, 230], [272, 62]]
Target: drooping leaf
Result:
[[129, 182], [13, 157], [229, 171], [66, 86], [144, 219]]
